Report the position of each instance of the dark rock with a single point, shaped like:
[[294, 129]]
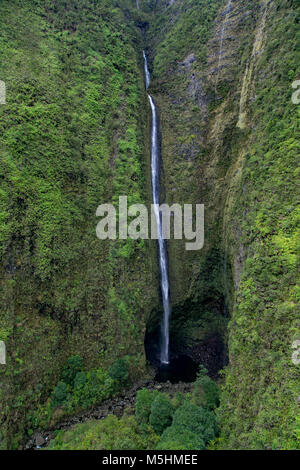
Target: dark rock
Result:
[[39, 440]]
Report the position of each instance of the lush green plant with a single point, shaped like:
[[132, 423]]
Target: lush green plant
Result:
[[206, 392], [71, 140], [174, 439], [161, 413], [192, 428], [80, 380], [119, 371], [144, 399], [74, 365], [178, 400], [83, 390], [60, 394], [110, 433]]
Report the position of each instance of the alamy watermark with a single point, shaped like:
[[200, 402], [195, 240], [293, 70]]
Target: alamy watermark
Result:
[[187, 223], [296, 94], [2, 92], [2, 353], [296, 352]]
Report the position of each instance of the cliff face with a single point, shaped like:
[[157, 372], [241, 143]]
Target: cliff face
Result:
[[223, 74], [75, 134]]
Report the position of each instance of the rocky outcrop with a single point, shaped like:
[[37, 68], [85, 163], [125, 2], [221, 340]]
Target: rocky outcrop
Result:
[[229, 141], [115, 406]]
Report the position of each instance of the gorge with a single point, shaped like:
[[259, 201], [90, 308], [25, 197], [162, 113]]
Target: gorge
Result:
[[162, 249], [84, 319]]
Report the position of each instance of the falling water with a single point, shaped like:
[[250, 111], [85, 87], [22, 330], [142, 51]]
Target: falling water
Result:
[[227, 10], [137, 4], [147, 73], [162, 249]]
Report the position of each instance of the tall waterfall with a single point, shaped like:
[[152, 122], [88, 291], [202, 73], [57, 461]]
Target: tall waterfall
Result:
[[227, 10], [162, 248]]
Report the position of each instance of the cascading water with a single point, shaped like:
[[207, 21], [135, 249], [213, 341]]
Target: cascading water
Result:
[[162, 248], [227, 10], [181, 367], [147, 73]]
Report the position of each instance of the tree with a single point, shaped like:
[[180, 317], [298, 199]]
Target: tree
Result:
[[144, 400], [192, 428], [200, 421], [80, 380], [119, 371], [74, 365], [206, 393], [60, 394], [161, 413], [174, 439]]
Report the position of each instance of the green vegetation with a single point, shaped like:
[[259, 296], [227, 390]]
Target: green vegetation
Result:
[[144, 400], [71, 139], [119, 370], [161, 413], [192, 428], [108, 434], [159, 423], [72, 369], [231, 141], [78, 390], [190, 32], [75, 134], [60, 394], [206, 393], [259, 403]]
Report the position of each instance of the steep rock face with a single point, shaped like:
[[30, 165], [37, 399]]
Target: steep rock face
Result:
[[73, 136], [76, 134], [222, 79]]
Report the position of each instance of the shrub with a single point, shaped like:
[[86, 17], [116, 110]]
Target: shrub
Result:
[[60, 394], [91, 388], [206, 393], [119, 371], [174, 439], [143, 405], [161, 413], [192, 428], [87, 390], [80, 380], [144, 400], [110, 433], [178, 400], [200, 421], [74, 365]]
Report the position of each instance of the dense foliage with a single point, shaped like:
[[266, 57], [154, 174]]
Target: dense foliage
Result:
[[71, 139], [75, 134], [192, 428], [231, 140], [77, 390], [108, 434], [161, 413], [159, 423]]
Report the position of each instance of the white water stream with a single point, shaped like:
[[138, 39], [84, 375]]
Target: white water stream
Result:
[[162, 248]]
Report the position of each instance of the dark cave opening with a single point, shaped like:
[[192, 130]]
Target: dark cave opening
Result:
[[187, 353], [181, 369]]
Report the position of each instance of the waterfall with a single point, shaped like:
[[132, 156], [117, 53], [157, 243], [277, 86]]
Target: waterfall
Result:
[[147, 73], [162, 248], [227, 10], [137, 4]]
